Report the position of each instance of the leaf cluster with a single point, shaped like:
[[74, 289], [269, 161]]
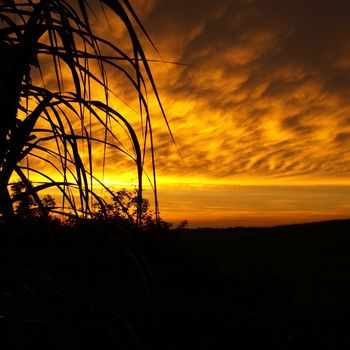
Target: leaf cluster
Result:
[[52, 120]]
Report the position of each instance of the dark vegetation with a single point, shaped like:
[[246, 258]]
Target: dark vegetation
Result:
[[286, 287]]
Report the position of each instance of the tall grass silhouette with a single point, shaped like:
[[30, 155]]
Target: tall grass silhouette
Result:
[[56, 117], [60, 116]]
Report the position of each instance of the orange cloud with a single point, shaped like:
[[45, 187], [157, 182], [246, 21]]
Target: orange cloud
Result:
[[264, 95]]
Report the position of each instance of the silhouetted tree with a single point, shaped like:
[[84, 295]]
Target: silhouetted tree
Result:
[[182, 225], [48, 126], [25, 205], [123, 210]]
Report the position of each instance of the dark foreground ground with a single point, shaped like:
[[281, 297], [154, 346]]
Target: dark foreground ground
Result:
[[278, 288]]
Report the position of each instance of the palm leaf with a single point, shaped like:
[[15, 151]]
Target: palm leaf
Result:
[[70, 40]]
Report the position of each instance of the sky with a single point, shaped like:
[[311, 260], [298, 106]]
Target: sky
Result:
[[258, 103], [260, 111], [266, 94]]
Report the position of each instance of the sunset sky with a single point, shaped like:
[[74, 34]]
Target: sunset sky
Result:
[[261, 114], [259, 106]]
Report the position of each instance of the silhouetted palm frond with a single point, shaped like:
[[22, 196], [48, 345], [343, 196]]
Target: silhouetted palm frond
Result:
[[54, 68]]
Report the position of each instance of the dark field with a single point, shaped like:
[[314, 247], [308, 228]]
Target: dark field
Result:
[[244, 288]]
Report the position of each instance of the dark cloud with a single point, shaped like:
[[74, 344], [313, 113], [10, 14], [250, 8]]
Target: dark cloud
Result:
[[343, 137]]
